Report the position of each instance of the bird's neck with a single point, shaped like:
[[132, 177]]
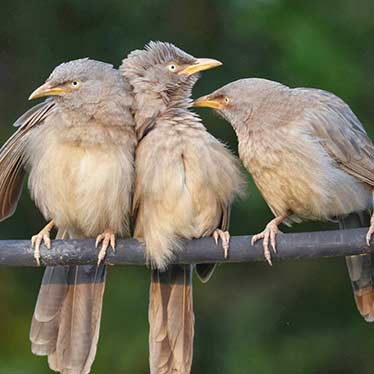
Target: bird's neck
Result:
[[89, 125], [151, 107]]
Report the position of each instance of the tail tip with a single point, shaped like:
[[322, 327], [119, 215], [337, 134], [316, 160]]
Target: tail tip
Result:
[[369, 317]]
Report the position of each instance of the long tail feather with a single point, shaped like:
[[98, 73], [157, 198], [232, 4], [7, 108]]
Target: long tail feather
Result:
[[171, 321], [66, 321], [361, 270]]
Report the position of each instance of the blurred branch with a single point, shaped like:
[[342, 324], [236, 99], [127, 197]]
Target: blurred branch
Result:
[[130, 252]]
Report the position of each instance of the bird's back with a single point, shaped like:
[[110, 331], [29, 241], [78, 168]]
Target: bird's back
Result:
[[284, 149]]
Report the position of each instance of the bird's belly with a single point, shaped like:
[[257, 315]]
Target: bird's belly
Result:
[[205, 210], [180, 196], [82, 189], [306, 181], [180, 192]]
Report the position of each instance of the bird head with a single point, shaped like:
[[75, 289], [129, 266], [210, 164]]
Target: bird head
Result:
[[81, 85], [238, 100], [164, 71]]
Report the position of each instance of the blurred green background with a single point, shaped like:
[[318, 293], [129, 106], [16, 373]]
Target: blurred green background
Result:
[[297, 317]]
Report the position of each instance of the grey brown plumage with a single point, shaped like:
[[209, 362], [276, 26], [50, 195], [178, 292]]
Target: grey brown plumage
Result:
[[12, 158], [171, 320], [185, 183], [310, 157], [78, 147], [66, 320], [361, 269]]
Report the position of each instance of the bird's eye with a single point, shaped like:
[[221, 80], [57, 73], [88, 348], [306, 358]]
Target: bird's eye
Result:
[[75, 84], [227, 100], [172, 67]]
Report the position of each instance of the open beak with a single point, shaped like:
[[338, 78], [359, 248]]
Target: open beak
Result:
[[200, 65], [47, 90], [207, 102]]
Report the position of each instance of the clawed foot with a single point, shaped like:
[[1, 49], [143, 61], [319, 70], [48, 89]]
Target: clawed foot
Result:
[[269, 233], [38, 239], [371, 228], [370, 231], [107, 237], [225, 238]]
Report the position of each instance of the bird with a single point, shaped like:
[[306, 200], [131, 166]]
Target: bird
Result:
[[185, 183], [78, 147], [311, 159]]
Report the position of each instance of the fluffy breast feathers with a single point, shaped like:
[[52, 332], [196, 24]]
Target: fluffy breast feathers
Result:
[[185, 181], [82, 177]]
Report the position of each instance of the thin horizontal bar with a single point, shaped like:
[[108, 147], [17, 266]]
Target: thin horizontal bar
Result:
[[130, 252]]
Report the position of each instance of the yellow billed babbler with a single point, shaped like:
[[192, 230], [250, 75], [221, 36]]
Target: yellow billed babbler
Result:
[[78, 147], [311, 159], [185, 183]]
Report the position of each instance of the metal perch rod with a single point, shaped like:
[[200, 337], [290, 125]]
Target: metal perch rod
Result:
[[131, 252]]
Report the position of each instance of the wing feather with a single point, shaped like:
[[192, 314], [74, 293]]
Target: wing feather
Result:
[[12, 156], [341, 134]]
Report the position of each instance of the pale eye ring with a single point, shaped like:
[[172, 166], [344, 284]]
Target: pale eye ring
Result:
[[227, 100], [75, 84], [172, 67]]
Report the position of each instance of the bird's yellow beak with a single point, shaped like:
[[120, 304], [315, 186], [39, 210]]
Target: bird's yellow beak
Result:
[[199, 65], [206, 101], [47, 89]]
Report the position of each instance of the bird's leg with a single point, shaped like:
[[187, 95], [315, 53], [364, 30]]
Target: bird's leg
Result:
[[225, 238], [42, 236], [107, 237], [371, 228], [271, 230], [64, 234]]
